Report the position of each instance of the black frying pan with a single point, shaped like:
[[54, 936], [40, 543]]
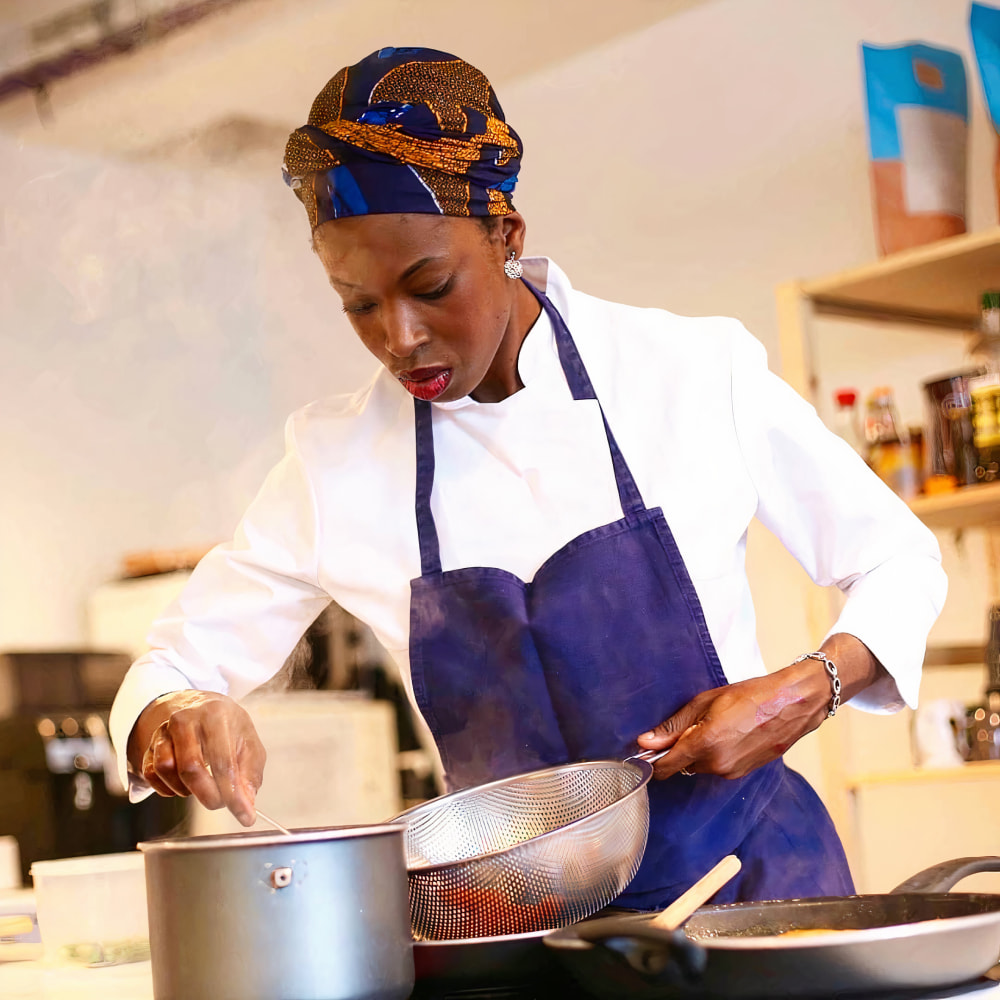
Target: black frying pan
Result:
[[917, 937], [515, 960]]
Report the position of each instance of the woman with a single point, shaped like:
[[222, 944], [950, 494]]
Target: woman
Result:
[[547, 527]]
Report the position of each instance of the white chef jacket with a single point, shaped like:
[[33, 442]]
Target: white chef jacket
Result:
[[710, 434]]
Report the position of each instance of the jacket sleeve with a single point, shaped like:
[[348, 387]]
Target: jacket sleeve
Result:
[[247, 604], [843, 525]]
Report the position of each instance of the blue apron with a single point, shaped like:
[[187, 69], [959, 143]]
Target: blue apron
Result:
[[608, 640]]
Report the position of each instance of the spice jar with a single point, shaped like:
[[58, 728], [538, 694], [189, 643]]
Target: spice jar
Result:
[[951, 450], [984, 391]]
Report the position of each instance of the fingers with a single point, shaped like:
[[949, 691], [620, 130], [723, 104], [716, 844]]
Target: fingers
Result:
[[207, 748], [731, 735], [252, 757], [193, 765], [236, 759], [159, 764], [668, 732], [686, 755]]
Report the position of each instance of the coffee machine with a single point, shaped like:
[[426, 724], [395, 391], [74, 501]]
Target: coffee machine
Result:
[[982, 725], [60, 795]]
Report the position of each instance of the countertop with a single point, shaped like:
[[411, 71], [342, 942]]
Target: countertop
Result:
[[33, 981]]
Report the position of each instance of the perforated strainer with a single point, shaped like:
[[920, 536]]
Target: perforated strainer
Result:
[[528, 853]]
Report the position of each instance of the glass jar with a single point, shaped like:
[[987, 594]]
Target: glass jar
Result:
[[984, 391]]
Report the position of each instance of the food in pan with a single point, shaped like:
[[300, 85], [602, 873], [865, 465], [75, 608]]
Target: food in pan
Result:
[[792, 932], [801, 932]]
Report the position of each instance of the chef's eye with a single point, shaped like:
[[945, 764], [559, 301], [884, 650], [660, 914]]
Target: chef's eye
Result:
[[436, 293], [358, 308]]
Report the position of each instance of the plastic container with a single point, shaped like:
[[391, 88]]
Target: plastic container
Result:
[[92, 911], [10, 864]]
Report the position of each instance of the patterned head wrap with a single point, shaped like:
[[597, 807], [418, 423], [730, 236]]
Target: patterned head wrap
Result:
[[404, 130]]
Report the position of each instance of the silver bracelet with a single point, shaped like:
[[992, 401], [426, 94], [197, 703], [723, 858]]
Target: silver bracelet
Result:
[[831, 669]]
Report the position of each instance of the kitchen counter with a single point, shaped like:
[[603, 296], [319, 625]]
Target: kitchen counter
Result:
[[33, 981]]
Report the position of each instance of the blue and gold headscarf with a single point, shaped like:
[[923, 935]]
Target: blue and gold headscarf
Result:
[[404, 130]]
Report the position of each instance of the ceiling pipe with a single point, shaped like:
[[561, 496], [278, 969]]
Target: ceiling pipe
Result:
[[38, 77]]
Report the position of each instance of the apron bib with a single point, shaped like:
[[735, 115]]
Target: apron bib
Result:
[[607, 641]]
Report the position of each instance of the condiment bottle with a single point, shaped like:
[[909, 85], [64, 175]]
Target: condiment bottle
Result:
[[984, 391], [890, 452], [846, 422]]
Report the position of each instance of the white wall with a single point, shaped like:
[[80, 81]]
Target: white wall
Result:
[[158, 323], [157, 327]]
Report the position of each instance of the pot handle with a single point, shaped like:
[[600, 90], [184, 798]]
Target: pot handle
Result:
[[940, 878]]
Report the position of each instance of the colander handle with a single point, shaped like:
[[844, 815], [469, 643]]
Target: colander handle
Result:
[[649, 756]]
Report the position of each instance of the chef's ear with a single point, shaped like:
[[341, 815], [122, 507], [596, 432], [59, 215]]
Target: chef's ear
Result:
[[512, 228]]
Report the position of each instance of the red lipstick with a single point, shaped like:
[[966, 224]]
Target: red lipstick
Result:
[[426, 383]]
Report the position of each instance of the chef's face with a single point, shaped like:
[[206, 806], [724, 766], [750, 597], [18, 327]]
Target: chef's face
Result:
[[428, 297]]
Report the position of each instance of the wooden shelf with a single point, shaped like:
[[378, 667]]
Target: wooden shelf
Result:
[[940, 284], [980, 770], [966, 507], [955, 656]]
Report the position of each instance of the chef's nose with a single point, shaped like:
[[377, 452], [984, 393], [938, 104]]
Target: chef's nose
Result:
[[404, 332]]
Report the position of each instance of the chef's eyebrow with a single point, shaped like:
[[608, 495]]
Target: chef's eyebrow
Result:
[[413, 268], [408, 273]]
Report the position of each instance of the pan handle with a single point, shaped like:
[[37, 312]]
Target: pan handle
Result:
[[942, 877], [649, 756], [628, 951]]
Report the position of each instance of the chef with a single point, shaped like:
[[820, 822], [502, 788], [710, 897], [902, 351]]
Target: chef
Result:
[[540, 506]]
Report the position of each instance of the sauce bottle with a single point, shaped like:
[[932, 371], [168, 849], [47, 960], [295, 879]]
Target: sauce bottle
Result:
[[889, 449], [846, 423]]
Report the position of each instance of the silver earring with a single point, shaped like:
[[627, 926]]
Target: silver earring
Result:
[[512, 267]]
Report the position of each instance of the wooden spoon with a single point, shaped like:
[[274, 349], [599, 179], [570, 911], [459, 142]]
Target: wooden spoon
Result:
[[677, 913]]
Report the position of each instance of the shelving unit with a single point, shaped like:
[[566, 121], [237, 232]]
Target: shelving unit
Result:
[[987, 770], [939, 285], [967, 507]]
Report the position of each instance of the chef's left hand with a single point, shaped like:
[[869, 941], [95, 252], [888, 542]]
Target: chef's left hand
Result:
[[732, 730]]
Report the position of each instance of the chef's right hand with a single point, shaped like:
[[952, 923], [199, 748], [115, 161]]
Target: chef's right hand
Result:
[[203, 744]]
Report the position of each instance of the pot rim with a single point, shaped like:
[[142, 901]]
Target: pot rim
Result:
[[249, 839]]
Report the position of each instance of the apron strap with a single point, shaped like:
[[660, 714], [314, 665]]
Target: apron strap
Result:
[[582, 388], [430, 549]]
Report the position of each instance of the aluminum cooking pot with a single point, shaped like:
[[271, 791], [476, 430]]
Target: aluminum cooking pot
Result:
[[316, 915], [917, 937]]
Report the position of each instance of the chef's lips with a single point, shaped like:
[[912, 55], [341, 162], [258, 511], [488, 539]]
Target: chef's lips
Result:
[[426, 383]]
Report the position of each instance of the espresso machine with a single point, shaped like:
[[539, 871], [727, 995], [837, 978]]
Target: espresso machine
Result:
[[60, 795], [982, 724]]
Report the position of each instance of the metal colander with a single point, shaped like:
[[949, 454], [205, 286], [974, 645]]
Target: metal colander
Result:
[[528, 853]]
